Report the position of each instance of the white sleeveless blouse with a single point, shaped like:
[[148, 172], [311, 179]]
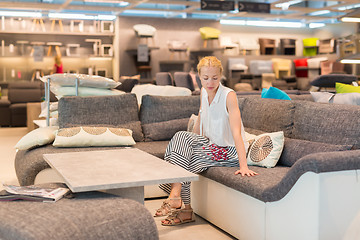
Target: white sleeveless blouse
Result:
[[214, 119]]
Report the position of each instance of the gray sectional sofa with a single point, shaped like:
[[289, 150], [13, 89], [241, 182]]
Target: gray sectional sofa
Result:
[[312, 193]]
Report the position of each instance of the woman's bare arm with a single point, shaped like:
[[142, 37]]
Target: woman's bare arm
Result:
[[235, 125]]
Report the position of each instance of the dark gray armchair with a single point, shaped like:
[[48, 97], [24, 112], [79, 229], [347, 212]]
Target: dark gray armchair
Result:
[[183, 79], [163, 78]]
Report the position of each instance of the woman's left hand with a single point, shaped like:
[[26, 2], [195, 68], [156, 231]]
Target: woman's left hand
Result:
[[246, 172]]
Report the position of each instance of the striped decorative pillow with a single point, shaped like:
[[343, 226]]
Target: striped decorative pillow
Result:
[[93, 136]]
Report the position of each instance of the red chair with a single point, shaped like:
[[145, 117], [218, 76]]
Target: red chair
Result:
[[301, 67]]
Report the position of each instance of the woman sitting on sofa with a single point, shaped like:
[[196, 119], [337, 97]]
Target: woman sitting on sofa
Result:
[[218, 139]]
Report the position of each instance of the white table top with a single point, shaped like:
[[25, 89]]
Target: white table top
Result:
[[111, 169]]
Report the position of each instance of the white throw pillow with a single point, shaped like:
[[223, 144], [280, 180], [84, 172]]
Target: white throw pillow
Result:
[[338, 98], [93, 136], [69, 79], [37, 137], [53, 108], [150, 89], [266, 149], [191, 123], [60, 91]]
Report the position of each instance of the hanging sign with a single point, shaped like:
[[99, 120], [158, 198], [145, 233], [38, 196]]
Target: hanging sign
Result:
[[217, 5], [254, 7]]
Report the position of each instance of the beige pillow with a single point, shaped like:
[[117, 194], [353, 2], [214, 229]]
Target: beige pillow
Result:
[[266, 149], [93, 136], [36, 138], [191, 123]]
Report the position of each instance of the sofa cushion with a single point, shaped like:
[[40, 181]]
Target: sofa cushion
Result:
[[294, 149], [268, 115], [22, 92], [164, 130], [272, 184], [322, 122], [112, 111], [156, 148], [304, 97], [88, 215], [18, 108], [29, 163], [264, 186], [164, 108]]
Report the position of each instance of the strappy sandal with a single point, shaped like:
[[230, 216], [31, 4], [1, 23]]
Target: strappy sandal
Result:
[[166, 208], [175, 215]]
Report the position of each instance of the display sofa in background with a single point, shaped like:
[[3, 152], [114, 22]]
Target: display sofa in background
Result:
[[306, 196], [14, 109]]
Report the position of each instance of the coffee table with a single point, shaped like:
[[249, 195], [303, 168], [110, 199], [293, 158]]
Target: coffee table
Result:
[[124, 172]]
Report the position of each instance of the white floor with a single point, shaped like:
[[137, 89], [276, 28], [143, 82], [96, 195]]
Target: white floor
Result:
[[198, 230]]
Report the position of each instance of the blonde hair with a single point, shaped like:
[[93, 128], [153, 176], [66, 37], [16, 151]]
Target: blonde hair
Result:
[[209, 61], [57, 60]]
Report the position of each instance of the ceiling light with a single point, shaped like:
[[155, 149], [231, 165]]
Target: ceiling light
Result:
[[321, 12], [316, 25], [20, 14], [350, 19], [350, 61], [353, 16], [121, 3], [232, 22], [274, 24]]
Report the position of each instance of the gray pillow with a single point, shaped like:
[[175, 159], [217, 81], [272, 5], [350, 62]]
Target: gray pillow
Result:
[[164, 130], [339, 98], [164, 108], [295, 149], [329, 80], [106, 110]]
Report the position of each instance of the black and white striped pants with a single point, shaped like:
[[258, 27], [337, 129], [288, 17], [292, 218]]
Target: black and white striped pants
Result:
[[195, 154]]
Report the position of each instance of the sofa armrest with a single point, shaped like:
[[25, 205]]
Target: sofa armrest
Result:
[[4, 103], [328, 162]]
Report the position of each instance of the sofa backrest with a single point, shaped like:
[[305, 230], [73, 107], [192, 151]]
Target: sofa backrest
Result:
[[118, 110], [22, 92], [161, 116], [307, 120], [268, 115], [328, 123], [164, 108]]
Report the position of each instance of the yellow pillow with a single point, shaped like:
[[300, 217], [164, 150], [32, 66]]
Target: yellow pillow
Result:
[[346, 88]]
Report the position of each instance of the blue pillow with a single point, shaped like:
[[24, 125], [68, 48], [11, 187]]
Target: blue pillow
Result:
[[274, 93]]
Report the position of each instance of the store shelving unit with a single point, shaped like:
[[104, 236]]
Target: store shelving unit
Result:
[[15, 66]]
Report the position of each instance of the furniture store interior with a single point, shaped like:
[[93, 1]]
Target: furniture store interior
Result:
[[102, 100]]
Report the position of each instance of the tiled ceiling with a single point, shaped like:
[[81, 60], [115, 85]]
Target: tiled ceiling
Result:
[[305, 12]]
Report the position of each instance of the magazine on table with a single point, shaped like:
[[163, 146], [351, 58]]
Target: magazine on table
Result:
[[32, 193]]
